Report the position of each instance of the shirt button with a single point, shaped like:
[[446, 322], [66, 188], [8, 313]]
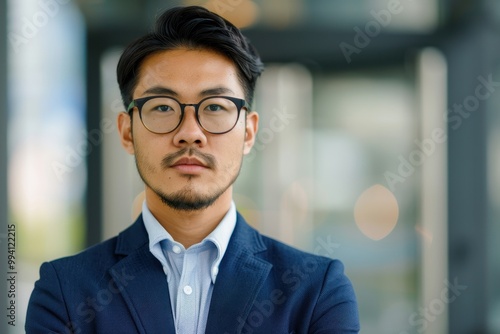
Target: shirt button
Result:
[[176, 249], [188, 290]]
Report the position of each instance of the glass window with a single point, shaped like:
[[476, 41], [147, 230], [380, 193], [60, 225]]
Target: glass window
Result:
[[371, 16], [47, 138], [328, 174], [493, 260]]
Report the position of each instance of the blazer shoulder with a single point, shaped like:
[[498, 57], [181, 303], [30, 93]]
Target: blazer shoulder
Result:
[[99, 258], [279, 254], [282, 252], [93, 261], [286, 259]]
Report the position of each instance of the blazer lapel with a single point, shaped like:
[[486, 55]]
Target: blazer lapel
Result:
[[241, 276], [141, 281]]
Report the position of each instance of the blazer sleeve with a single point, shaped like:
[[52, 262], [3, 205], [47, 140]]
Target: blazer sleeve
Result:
[[336, 311], [47, 311]]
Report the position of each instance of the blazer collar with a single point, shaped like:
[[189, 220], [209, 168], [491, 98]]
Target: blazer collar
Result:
[[241, 276], [141, 281], [132, 238]]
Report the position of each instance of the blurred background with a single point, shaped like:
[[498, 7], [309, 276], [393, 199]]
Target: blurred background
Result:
[[379, 144]]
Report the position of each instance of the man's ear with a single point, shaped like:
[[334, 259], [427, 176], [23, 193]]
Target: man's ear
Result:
[[252, 125], [125, 131]]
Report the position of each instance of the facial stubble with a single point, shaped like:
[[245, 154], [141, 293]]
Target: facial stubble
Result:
[[185, 199]]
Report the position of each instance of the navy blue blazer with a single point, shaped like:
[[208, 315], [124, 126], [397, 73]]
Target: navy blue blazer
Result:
[[263, 286]]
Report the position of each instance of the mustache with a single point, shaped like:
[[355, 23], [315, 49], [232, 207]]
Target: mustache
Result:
[[171, 158]]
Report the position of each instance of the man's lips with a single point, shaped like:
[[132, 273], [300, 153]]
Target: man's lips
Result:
[[189, 157], [189, 165], [189, 161]]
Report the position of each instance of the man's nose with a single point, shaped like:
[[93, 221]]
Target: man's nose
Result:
[[189, 131]]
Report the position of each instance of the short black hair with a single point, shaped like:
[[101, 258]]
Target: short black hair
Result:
[[192, 27]]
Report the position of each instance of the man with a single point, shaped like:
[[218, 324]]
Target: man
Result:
[[190, 263]]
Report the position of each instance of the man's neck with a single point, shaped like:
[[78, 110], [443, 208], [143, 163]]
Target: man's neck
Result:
[[189, 227]]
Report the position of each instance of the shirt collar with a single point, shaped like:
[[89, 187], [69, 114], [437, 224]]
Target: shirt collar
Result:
[[219, 236]]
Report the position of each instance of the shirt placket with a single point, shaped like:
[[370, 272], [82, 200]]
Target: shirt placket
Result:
[[187, 296]]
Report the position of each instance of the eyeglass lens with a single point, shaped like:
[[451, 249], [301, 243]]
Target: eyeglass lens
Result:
[[163, 114]]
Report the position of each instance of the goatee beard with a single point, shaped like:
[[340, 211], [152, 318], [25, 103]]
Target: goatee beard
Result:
[[185, 200], [182, 201]]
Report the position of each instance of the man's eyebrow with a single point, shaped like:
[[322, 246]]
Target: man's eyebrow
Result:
[[216, 91], [159, 90]]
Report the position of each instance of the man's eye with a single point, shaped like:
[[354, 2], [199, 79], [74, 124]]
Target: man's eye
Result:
[[163, 108], [214, 107]]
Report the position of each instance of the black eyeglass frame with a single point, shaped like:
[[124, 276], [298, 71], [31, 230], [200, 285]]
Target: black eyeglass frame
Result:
[[139, 103]]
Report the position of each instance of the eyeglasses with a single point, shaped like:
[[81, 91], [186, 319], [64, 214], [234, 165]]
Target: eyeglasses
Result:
[[163, 114]]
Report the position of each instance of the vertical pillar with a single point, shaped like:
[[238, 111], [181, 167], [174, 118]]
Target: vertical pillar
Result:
[[468, 52], [93, 197]]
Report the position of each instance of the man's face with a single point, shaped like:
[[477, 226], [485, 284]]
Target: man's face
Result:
[[189, 168]]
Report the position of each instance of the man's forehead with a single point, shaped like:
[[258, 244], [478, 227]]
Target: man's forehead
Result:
[[172, 72], [182, 58]]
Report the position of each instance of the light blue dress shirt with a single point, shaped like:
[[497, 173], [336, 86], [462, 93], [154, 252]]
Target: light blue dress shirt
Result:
[[190, 273]]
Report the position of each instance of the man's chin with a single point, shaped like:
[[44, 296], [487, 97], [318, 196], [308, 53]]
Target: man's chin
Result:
[[187, 200], [187, 205]]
